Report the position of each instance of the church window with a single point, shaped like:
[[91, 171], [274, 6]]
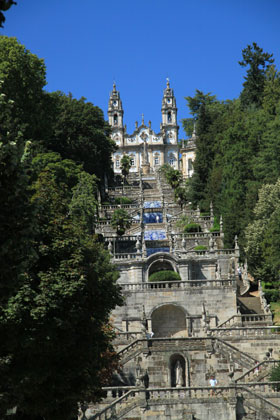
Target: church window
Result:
[[156, 160], [169, 117], [171, 162], [132, 161], [115, 119], [117, 163]]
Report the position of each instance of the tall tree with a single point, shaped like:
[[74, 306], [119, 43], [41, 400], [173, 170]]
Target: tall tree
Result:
[[53, 326], [23, 77], [4, 6], [80, 133], [258, 62]]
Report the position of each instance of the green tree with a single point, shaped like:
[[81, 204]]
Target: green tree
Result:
[[80, 133], [125, 166], [275, 377], [58, 314], [16, 228], [4, 6], [263, 240], [258, 62], [23, 77], [120, 221]]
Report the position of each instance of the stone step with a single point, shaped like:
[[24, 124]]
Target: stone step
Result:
[[250, 305]]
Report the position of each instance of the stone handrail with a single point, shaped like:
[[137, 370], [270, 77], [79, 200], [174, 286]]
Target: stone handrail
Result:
[[177, 284], [133, 397], [126, 256], [144, 343], [245, 318], [129, 335], [264, 304], [246, 331], [235, 354], [261, 403], [255, 371], [136, 345], [119, 206]]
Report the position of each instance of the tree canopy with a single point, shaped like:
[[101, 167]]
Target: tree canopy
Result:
[[58, 286]]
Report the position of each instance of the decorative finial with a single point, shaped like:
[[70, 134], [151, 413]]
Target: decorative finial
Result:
[[167, 82], [114, 86], [136, 124], [142, 119]]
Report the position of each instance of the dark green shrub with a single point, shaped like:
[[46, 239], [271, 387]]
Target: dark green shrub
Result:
[[120, 221], [216, 225], [165, 275], [123, 200], [275, 377], [192, 227], [271, 295]]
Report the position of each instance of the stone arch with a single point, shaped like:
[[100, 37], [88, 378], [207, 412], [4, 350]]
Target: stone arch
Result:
[[174, 359], [159, 262], [169, 320]]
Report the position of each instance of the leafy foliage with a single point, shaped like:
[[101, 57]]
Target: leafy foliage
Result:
[[120, 221], [4, 6], [200, 248], [164, 275], [57, 284], [275, 377], [125, 165], [123, 200], [80, 133], [192, 227], [258, 61]]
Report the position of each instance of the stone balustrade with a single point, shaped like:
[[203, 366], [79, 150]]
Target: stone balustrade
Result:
[[183, 285], [232, 353], [257, 371], [246, 331], [248, 318], [133, 396], [130, 256], [119, 206], [129, 335]]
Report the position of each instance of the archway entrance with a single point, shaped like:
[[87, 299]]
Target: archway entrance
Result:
[[169, 321], [160, 265]]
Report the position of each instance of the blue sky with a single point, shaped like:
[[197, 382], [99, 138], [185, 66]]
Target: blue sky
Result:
[[87, 45]]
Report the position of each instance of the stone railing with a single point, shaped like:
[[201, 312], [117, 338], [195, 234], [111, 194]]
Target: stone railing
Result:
[[182, 285], [118, 206], [134, 397], [240, 320], [265, 306], [258, 370], [128, 336], [246, 331], [143, 344], [234, 354], [127, 256], [258, 402]]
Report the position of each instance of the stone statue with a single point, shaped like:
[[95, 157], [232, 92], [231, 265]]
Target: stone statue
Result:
[[145, 152], [178, 374]]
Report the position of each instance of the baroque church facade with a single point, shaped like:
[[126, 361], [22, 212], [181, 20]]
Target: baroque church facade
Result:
[[147, 149]]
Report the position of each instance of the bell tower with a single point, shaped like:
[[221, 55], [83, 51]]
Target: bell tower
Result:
[[115, 116], [168, 108], [115, 110]]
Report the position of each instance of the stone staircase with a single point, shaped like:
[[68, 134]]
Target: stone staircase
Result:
[[250, 305]]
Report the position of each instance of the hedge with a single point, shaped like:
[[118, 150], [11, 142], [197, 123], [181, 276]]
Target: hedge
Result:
[[165, 275]]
